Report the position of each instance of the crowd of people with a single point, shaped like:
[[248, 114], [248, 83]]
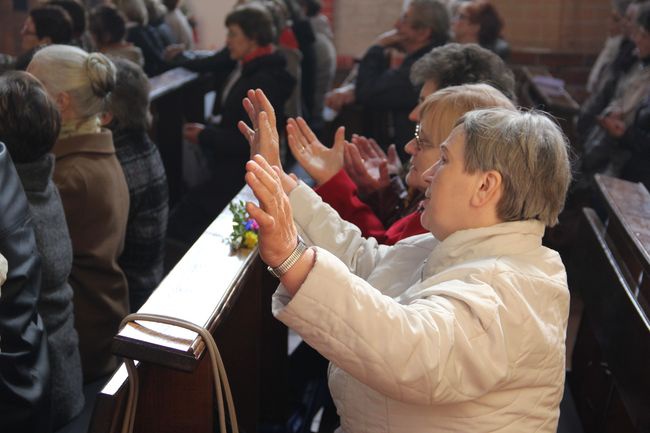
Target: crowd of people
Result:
[[414, 265], [612, 126]]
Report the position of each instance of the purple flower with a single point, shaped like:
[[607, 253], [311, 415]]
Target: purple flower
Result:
[[251, 224]]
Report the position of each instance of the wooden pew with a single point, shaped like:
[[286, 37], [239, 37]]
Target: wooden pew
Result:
[[535, 89], [628, 226], [229, 294], [610, 377], [550, 97], [176, 96]]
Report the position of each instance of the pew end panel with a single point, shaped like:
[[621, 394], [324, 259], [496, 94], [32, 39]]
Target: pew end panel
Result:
[[610, 377], [228, 294], [628, 228]]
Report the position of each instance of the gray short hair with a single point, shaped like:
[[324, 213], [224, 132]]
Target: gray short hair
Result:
[[129, 101], [621, 5], [431, 14], [87, 78], [454, 64], [134, 10], [531, 153]]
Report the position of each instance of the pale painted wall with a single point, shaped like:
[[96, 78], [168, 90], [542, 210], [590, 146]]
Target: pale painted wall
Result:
[[210, 15], [357, 23]]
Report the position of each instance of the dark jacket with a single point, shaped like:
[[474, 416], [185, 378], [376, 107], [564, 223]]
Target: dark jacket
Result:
[[223, 143], [153, 47], [383, 90], [224, 147], [24, 364], [55, 302], [636, 140], [144, 245]]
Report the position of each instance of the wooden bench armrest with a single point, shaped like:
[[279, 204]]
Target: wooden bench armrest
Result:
[[201, 288]]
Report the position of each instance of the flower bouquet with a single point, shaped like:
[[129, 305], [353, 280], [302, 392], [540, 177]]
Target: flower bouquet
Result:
[[244, 228]]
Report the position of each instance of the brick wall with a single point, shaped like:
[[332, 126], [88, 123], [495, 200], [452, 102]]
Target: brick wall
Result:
[[358, 22], [576, 26]]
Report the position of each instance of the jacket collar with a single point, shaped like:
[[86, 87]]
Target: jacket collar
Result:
[[510, 238], [36, 175], [99, 143]]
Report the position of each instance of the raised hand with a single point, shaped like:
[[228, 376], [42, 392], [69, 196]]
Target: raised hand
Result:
[[368, 166], [263, 137], [319, 161], [278, 235]]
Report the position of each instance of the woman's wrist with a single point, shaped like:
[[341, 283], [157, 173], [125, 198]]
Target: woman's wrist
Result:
[[294, 278]]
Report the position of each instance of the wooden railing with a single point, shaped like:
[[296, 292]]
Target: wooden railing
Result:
[[610, 377], [228, 294]]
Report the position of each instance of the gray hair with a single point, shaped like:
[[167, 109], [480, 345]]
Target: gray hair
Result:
[[134, 10], [87, 78], [129, 101], [621, 6], [530, 152], [431, 14], [454, 64]]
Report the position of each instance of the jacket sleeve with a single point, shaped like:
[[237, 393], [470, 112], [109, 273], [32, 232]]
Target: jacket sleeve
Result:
[[219, 64], [437, 349], [637, 135], [340, 192], [24, 364], [381, 87], [321, 225]]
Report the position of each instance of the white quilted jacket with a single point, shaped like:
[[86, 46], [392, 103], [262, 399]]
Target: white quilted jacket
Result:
[[465, 335]]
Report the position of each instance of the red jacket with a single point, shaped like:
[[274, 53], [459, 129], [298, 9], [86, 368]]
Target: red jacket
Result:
[[340, 192]]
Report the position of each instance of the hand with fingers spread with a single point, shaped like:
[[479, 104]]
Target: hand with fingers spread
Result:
[[263, 137], [368, 166], [319, 161], [278, 236]]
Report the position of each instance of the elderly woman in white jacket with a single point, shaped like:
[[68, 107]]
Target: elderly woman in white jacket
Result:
[[459, 330]]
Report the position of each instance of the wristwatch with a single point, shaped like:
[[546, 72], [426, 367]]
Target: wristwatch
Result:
[[290, 261]]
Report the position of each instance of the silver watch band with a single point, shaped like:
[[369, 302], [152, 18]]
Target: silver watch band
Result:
[[290, 261]]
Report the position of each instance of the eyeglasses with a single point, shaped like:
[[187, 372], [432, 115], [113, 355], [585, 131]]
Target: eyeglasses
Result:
[[421, 144]]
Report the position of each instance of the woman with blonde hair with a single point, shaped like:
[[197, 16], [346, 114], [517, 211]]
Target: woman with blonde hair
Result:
[[323, 164], [459, 329], [94, 194]]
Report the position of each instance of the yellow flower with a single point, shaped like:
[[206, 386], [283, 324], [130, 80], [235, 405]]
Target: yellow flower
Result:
[[250, 239]]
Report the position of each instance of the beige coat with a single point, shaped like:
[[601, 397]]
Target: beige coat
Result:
[[95, 199], [464, 335]]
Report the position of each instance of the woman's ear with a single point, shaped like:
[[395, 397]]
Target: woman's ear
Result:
[[489, 189], [105, 118], [63, 102]]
